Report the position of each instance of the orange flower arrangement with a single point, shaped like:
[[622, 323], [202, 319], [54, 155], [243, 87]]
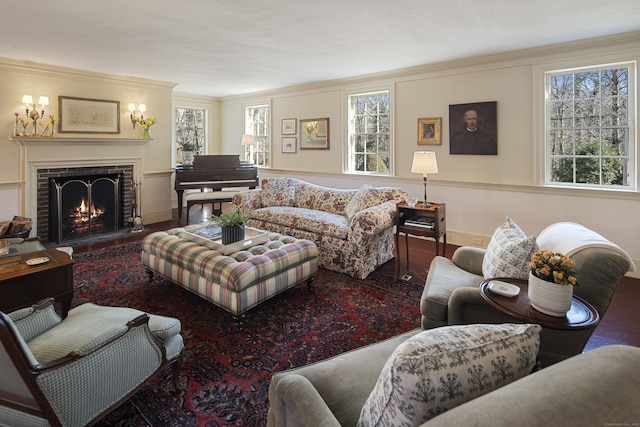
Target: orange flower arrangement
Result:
[[553, 267]]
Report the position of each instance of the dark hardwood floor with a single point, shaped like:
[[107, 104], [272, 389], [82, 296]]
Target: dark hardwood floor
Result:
[[620, 325]]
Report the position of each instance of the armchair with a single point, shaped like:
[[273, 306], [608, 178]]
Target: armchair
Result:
[[451, 295], [72, 372]]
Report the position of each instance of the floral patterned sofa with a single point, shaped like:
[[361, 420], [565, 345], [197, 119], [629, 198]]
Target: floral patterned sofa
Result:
[[353, 228]]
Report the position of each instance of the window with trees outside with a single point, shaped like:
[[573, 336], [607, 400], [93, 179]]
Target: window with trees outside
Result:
[[190, 132], [370, 133], [590, 138], [256, 123]]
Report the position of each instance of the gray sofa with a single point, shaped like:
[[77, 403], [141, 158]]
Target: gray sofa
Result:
[[597, 388]]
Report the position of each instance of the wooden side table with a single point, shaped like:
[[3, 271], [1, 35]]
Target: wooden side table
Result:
[[22, 285], [419, 220], [582, 315]]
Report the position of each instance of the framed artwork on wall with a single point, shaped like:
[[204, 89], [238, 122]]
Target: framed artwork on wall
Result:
[[84, 115], [429, 131], [289, 127], [473, 128], [289, 144], [314, 134]]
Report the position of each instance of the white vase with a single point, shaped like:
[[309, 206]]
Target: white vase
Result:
[[187, 158], [548, 297]]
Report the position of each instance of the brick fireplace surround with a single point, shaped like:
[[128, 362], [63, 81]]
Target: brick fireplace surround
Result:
[[42, 192], [43, 158]]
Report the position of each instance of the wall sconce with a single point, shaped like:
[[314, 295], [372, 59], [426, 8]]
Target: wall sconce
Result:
[[132, 109], [424, 162], [27, 100]]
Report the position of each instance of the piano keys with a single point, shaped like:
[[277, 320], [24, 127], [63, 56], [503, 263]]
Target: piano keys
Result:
[[215, 171]]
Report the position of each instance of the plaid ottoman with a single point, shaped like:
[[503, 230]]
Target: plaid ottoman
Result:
[[235, 282]]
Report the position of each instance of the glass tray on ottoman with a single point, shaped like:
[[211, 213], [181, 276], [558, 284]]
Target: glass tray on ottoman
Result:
[[252, 237]]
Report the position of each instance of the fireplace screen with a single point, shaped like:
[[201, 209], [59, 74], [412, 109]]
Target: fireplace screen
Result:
[[81, 207]]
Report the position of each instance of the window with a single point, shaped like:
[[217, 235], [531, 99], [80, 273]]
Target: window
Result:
[[256, 123], [370, 133], [590, 140], [190, 131]]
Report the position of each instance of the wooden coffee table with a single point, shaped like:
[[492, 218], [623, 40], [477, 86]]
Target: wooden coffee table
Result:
[[22, 285], [582, 315]]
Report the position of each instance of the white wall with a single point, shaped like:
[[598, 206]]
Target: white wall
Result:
[[479, 191]]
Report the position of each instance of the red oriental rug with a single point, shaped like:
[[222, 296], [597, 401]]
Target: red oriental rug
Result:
[[226, 372]]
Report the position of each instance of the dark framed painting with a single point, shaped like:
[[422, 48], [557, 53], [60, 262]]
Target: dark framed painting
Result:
[[473, 128]]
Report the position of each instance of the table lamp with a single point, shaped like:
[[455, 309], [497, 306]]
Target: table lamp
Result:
[[424, 162]]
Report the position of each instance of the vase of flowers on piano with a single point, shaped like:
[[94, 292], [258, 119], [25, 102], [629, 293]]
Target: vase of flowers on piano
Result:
[[189, 148], [232, 225]]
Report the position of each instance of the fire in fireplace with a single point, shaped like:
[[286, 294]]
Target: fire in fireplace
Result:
[[81, 207]]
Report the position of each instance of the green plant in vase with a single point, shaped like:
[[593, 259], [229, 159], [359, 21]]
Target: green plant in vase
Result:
[[232, 224]]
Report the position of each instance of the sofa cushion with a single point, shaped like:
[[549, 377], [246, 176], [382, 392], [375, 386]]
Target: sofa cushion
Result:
[[318, 222], [365, 197], [439, 369], [278, 191], [509, 252], [319, 198]]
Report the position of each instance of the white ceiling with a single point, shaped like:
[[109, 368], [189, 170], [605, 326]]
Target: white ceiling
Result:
[[228, 47]]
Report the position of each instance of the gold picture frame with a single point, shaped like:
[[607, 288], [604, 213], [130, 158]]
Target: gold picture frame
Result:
[[430, 131], [314, 134], [84, 115]]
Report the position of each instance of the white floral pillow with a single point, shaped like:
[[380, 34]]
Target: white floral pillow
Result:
[[439, 369], [278, 192], [509, 252], [365, 197]]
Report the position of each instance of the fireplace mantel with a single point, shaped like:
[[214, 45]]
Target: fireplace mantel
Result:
[[38, 153], [43, 140]]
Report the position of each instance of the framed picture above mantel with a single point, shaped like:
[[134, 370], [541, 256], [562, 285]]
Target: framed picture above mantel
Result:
[[85, 115]]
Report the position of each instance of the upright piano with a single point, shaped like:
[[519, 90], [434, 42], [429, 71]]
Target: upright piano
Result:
[[215, 171]]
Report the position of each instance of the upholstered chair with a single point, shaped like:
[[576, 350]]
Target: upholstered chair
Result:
[[451, 294], [72, 372]]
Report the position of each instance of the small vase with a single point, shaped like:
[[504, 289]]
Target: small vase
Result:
[[16, 130], [548, 297], [145, 133], [232, 234], [187, 158]]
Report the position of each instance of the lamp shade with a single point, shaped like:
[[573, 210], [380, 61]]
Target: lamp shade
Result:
[[247, 139], [27, 99], [424, 162], [44, 101]]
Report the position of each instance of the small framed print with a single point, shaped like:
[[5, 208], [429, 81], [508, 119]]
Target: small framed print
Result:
[[289, 144], [314, 134], [429, 131], [289, 127]]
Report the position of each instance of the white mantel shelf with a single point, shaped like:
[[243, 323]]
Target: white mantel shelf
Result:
[[45, 140]]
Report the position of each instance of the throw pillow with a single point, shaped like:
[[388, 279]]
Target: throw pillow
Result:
[[278, 192], [439, 369], [365, 197], [509, 252]]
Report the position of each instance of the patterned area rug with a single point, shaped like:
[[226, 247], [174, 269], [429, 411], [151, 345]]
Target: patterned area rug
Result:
[[226, 371]]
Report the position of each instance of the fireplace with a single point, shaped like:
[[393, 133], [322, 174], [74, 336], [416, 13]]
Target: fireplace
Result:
[[83, 202], [84, 206]]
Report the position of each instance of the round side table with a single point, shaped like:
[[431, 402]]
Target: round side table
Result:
[[582, 315]]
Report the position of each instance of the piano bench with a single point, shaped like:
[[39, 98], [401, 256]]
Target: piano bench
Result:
[[210, 197]]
